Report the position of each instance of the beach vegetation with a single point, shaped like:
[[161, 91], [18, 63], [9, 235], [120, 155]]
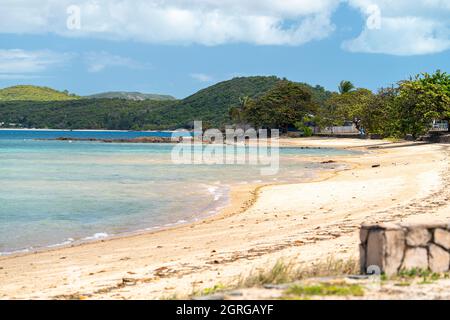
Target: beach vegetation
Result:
[[324, 289], [407, 277], [285, 272], [210, 290]]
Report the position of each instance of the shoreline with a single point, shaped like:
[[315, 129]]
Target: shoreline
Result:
[[240, 196], [80, 130], [245, 205], [123, 235]]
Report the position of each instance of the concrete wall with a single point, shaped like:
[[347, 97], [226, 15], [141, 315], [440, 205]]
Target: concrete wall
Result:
[[395, 247]]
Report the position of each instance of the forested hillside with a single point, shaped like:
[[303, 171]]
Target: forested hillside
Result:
[[211, 105], [34, 93]]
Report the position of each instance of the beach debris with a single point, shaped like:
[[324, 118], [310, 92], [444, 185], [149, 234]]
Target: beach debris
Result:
[[276, 286], [129, 281], [328, 161], [376, 165], [162, 272], [235, 293]]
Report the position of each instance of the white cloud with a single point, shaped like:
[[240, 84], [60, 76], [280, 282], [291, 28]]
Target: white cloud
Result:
[[407, 27], [98, 61], [18, 63], [207, 22], [201, 77]]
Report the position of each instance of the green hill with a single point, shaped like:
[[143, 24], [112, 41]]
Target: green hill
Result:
[[211, 105], [137, 96], [34, 93]]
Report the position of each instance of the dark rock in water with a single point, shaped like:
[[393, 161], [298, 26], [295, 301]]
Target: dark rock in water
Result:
[[134, 140]]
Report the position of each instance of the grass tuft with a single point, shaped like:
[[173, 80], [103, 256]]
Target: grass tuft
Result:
[[283, 272], [325, 289]]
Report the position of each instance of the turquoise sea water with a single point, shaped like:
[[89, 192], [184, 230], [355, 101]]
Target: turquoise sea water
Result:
[[58, 192]]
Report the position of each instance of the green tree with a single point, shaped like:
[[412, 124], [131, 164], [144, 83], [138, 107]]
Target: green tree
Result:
[[281, 107], [237, 112], [421, 100], [345, 87], [348, 106], [378, 115]]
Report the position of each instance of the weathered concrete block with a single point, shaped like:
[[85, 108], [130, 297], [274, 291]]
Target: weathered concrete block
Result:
[[375, 249], [415, 258], [418, 237], [363, 234], [384, 248], [394, 248], [442, 238], [439, 259], [362, 258]]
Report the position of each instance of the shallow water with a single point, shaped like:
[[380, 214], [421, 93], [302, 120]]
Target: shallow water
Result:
[[58, 192]]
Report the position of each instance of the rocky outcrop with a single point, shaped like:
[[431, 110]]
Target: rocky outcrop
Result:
[[396, 247], [133, 140]]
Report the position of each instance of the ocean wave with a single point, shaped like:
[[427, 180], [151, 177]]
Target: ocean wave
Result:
[[217, 192], [96, 236], [8, 253], [65, 242]]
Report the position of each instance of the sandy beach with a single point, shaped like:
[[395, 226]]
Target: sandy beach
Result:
[[304, 222]]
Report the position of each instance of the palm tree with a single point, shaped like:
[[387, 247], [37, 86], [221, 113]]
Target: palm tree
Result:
[[236, 112], [345, 87]]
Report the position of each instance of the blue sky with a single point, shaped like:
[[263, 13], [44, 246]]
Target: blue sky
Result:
[[178, 47]]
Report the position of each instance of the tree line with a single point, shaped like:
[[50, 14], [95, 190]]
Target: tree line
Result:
[[409, 107]]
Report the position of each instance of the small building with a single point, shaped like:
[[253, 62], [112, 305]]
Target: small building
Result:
[[439, 126]]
